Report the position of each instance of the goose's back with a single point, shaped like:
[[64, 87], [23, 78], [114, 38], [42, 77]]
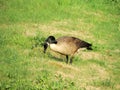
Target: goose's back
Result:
[[67, 45]]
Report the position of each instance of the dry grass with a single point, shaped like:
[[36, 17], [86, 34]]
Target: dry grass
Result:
[[59, 28], [82, 75], [90, 55], [25, 25]]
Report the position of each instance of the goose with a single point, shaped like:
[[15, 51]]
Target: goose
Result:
[[66, 45]]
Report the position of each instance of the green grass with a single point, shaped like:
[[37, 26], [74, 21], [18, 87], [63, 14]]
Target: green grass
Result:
[[25, 24]]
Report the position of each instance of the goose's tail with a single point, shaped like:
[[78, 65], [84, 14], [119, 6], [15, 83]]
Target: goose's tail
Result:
[[86, 45]]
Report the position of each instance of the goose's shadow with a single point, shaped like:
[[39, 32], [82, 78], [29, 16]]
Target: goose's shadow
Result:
[[55, 58]]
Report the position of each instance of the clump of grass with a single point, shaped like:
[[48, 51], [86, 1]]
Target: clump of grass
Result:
[[38, 40], [104, 83]]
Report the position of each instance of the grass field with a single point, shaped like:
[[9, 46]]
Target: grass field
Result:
[[25, 24]]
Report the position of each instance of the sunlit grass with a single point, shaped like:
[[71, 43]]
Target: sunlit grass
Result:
[[24, 25]]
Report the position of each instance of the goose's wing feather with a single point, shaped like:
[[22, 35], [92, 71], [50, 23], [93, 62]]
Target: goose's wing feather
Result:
[[73, 42]]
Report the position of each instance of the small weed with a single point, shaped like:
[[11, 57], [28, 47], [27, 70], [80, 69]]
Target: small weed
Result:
[[38, 40], [105, 83]]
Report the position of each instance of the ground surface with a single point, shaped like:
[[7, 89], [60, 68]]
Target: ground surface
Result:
[[26, 23]]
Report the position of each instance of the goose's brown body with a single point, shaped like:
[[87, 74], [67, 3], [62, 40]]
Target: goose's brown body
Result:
[[67, 45]]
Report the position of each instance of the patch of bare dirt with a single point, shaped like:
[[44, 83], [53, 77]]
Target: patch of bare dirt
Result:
[[90, 55], [92, 88], [63, 66], [63, 75]]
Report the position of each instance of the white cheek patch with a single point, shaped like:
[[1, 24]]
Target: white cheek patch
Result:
[[48, 44]]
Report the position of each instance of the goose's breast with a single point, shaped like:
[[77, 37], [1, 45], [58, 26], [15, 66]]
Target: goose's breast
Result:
[[63, 48]]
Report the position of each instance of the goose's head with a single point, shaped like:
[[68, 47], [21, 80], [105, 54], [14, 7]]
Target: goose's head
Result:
[[48, 41]]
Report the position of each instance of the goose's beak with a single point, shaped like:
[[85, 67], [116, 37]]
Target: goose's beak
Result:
[[45, 47]]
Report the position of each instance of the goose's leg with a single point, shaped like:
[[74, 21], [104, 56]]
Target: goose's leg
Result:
[[66, 58], [71, 60], [71, 57]]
